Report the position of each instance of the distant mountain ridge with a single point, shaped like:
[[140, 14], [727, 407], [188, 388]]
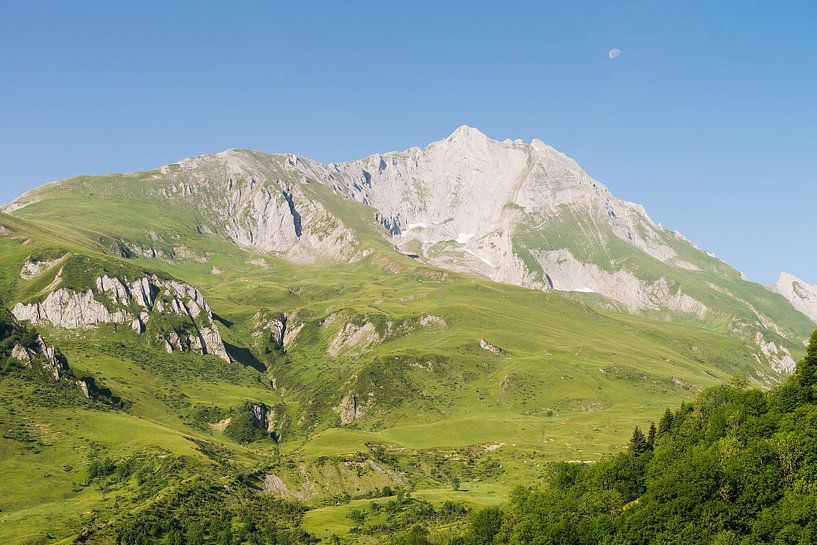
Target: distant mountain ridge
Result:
[[514, 212]]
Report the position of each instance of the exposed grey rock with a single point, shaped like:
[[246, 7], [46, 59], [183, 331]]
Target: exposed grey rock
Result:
[[350, 408], [512, 211], [132, 303], [33, 268], [432, 320], [801, 294], [274, 485], [489, 346], [21, 354], [258, 411], [118, 248], [52, 359], [85, 386], [269, 328], [779, 357], [354, 338]]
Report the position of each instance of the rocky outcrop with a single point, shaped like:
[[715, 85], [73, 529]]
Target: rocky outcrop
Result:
[[34, 267], [430, 320], [490, 347], [779, 357], [512, 211], [51, 359], [471, 204], [269, 330], [135, 303], [801, 294], [271, 420], [567, 273], [263, 203], [30, 352], [351, 408], [353, 337]]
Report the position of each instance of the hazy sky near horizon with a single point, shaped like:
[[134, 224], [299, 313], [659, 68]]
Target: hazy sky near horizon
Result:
[[708, 117]]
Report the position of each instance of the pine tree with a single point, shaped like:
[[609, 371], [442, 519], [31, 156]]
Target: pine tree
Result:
[[651, 436], [665, 424], [638, 443], [807, 370]]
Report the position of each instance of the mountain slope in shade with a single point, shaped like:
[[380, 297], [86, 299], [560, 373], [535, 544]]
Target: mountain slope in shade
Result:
[[514, 212], [801, 294]]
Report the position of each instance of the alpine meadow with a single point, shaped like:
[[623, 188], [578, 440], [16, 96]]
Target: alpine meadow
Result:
[[472, 341]]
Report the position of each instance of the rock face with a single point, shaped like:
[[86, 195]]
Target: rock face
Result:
[[272, 420], [353, 338], [36, 351], [351, 408], [262, 202], [493, 208], [270, 330], [779, 357], [801, 295], [34, 267], [52, 359], [114, 301]]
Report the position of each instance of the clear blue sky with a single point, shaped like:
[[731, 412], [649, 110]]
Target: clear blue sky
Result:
[[708, 117]]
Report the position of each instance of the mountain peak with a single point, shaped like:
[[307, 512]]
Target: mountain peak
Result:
[[466, 133]]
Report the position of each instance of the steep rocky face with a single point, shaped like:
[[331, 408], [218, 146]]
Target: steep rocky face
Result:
[[134, 303], [51, 359], [802, 295], [261, 202], [351, 408], [273, 330], [478, 205]]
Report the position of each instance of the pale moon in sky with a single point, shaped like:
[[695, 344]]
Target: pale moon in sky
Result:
[[614, 53]]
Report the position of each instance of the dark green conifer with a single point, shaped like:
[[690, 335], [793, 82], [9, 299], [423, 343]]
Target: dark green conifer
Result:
[[807, 370], [665, 424], [638, 443]]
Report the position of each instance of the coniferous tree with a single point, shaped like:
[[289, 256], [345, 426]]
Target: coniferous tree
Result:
[[807, 370], [651, 436], [638, 443], [665, 424]]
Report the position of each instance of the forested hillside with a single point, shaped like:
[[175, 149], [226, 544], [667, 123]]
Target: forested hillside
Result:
[[735, 466]]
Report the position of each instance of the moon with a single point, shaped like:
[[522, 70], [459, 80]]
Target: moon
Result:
[[614, 53]]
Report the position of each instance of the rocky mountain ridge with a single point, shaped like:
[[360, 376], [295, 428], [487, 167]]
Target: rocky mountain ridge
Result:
[[514, 212], [801, 294]]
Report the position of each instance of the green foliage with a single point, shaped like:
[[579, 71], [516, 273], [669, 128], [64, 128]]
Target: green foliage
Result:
[[807, 371], [416, 535], [736, 466], [244, 427], [485, 525], [638, 442]]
